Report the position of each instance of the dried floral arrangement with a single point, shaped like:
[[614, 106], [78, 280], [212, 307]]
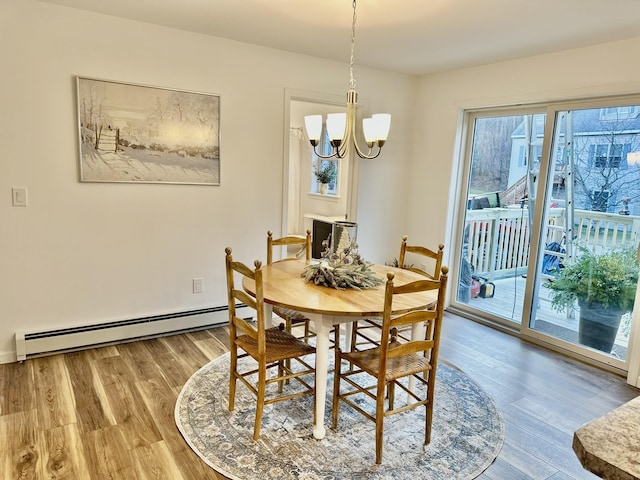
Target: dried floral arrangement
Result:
[[342, 269]]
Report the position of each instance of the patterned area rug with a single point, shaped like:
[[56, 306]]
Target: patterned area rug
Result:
[[466, 437]]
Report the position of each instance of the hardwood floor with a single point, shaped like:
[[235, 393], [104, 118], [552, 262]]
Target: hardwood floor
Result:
[[108, 412]]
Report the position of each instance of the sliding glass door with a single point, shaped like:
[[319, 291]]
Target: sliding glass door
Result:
[[497, 212], [586, 282], [550, 223]]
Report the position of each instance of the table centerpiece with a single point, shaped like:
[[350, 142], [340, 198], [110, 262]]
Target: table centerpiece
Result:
[[341, 269]]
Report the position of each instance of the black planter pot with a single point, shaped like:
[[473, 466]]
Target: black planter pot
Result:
[[598, 326]]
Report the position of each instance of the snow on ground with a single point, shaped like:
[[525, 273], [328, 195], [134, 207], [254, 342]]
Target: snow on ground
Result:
[[147, 166]]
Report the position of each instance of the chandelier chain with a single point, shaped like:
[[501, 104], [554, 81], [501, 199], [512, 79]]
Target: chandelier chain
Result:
[[341, 127], [352, 81]]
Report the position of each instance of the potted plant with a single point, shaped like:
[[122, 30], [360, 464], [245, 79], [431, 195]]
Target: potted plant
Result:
[[604, 286], [325, 175]]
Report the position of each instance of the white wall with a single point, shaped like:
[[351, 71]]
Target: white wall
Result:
[[87, 252], [607, 69], [595, 71]]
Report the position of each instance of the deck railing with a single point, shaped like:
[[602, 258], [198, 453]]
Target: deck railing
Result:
[[497, 239]]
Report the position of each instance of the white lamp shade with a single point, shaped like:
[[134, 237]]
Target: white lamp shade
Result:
[[336, 124], [369, 130], [382, 122], [313, 124]]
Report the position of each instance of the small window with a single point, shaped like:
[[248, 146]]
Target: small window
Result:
[[600, 200], [607, 156], [320, 163], [615, 156], [332, 186], [619, 113]]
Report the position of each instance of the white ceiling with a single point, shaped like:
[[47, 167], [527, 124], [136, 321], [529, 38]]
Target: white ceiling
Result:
[[409, 36]]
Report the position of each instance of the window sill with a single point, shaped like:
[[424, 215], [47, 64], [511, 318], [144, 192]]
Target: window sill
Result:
[[329, 197]]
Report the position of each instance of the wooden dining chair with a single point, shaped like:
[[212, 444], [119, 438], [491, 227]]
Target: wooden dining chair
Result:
[[291, 317], [377, 371], [366, 331], [271, 348], [431, 256]]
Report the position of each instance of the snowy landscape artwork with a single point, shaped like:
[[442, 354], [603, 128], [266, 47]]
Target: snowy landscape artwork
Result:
[[136, 133]]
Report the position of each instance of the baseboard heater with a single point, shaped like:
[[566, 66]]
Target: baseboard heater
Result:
[[86, 336]]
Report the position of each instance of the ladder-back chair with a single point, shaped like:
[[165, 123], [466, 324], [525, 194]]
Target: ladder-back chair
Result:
[[364, 332], [291, 317], [435, 257], [269, 347], [383, 368]]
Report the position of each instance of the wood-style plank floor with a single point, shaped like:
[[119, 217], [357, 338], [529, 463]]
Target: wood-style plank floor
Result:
[[107, 413]]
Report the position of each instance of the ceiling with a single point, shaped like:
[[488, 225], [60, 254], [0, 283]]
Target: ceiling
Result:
[[407, 36]]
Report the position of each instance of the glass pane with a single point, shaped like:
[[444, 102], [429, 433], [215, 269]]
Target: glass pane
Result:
[[330, 169], [495, 247], [586, 283]]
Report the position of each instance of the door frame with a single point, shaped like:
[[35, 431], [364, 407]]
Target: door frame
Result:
[[631, 365], [321, 99]]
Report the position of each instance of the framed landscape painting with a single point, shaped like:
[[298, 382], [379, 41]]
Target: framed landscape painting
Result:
[[141, 134]]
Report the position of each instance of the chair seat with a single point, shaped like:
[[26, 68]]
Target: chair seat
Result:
[[280, 345], [369, 361], [293, 316]]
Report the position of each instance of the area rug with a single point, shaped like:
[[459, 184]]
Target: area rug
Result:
[[467, 434]]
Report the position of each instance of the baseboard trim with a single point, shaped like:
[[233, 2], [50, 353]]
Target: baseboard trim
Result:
[[46, 342]]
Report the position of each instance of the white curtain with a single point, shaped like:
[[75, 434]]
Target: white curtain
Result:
[[296, 153]]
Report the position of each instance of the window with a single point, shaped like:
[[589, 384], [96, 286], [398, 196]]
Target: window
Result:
[[615, 156], [318, 163], [609, 155], [324, 164], [600, 200], [619, 113], [580, 190]]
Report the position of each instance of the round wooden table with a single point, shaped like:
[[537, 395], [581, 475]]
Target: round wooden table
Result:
[[283, 286]]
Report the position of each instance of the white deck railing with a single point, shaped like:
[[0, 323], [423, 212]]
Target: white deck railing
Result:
[[497, 239]]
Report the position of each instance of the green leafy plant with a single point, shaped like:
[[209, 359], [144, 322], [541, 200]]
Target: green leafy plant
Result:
[[608, 280], [327, 173], [396, 263]]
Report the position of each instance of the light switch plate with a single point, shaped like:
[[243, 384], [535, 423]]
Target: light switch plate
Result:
[[19, 196]]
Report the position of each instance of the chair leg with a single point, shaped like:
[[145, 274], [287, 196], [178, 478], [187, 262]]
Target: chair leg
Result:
[[391, 393], [233, 369], [427, 427], [429, 406], [354, 335], [280, 373], [287, 326], [262, 380], [306, 331], [379, 422], [336, 385], [354, 340]]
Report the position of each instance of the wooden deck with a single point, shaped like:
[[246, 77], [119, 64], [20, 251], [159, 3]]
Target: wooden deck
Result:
[[507, 303]]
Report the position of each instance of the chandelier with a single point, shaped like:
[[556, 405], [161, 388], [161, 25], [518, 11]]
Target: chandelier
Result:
[[341, 127]]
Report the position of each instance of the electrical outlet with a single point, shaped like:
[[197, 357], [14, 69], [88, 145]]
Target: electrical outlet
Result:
[[197, 285]]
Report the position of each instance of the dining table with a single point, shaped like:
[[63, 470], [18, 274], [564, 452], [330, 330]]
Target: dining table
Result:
[[284, 286]]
